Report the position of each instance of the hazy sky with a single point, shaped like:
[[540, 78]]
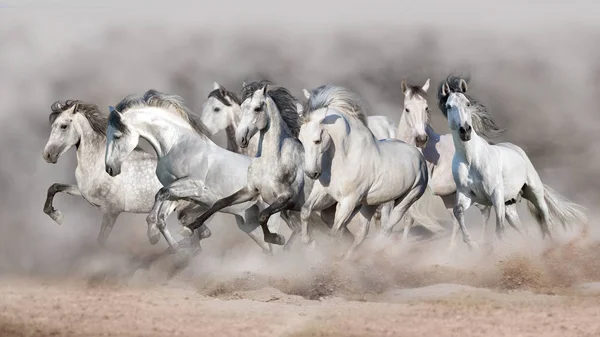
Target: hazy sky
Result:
[[496, 15]]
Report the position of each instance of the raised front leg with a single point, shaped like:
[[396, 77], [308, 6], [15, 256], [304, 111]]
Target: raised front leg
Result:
[[282, 203], [243, 195], [56, 215], [463, 203], [108, 222], [186, 189]]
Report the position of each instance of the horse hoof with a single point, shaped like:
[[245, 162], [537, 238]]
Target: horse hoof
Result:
[[153, 235], [205, 232], [275, 239], [473, 246], [57, 217], [186, 232]]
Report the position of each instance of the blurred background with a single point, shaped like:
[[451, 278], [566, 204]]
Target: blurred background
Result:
[[536, 66]]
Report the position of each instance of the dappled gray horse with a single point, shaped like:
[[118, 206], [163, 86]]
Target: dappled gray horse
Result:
[[190, 166], [80, 124]]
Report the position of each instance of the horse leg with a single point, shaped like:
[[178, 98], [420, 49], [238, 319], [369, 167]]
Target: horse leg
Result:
[[328, 217], [485, 212], [463, 202], [497, 198], [366, 214], [346, 209], [512, 217], [449, 202], [108, 222], [316, 198], [56, 215], [281, 203], [249, 225], [243, 195], [386, 212], [409, 221]]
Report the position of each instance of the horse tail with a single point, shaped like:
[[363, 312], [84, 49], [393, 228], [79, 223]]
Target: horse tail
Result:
[[422, 212], [560, 209]]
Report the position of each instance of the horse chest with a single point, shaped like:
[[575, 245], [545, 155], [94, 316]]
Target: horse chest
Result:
[[94, 190]]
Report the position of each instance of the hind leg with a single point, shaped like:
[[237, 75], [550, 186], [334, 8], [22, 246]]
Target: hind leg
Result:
[[401, 206], [512, 217], [499, 208], [535, 194], [249, 225]]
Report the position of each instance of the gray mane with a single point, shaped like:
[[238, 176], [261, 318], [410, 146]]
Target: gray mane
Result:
[[339, 98], [283, 99], [483, 122], [157, 99], [221, 94], [92, 113]]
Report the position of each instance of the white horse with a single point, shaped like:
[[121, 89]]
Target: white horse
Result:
[[353, 167], [277, 174], [80, 124], [496, 174], [438, 150], [190, 166], [421, 213]]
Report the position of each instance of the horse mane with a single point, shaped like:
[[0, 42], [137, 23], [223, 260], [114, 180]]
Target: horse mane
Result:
[[416, 90], [483, 122], [221, 94], [97, 120], [283, 99], [157, 99], [339, 98]]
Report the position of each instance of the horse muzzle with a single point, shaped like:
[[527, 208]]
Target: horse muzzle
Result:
[[465, 133], [50, 156], [421, 140], [112, 171]]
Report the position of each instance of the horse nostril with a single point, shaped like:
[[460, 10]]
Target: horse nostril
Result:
[[462, 130], [469, 128]]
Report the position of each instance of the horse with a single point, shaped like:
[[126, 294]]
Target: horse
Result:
[[190, 166], [276, 175], [80, 124], [382, 128], [414, 128], [496, 175], [354, 168]]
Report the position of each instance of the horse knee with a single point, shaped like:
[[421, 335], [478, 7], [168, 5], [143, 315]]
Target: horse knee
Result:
[[458, 211]]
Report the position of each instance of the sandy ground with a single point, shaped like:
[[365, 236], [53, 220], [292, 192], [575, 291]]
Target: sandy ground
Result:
[[409, 291]]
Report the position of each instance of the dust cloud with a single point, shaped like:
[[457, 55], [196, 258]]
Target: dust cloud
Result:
[[542, 85]]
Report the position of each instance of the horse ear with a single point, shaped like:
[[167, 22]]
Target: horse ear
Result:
[[299, 109], [216, 86], [463, 85], [425, 86], [243, 84], [112, 109], [75, 107], [306, 93], [404, 87], [264, 89], [445, 89]]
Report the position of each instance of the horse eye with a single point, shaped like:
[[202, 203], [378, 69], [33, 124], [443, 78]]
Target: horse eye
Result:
[[468, 103], [117, 136], [257, 109], [426, 108], [64, 126], [317, 142], [448, 106], [217, 109], [407, 110]]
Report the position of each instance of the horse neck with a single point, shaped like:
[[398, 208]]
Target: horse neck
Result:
[[353, 142], [162, 133], [91, 149], [274, 134], [234, 121], [470, 151], [404, 131]]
